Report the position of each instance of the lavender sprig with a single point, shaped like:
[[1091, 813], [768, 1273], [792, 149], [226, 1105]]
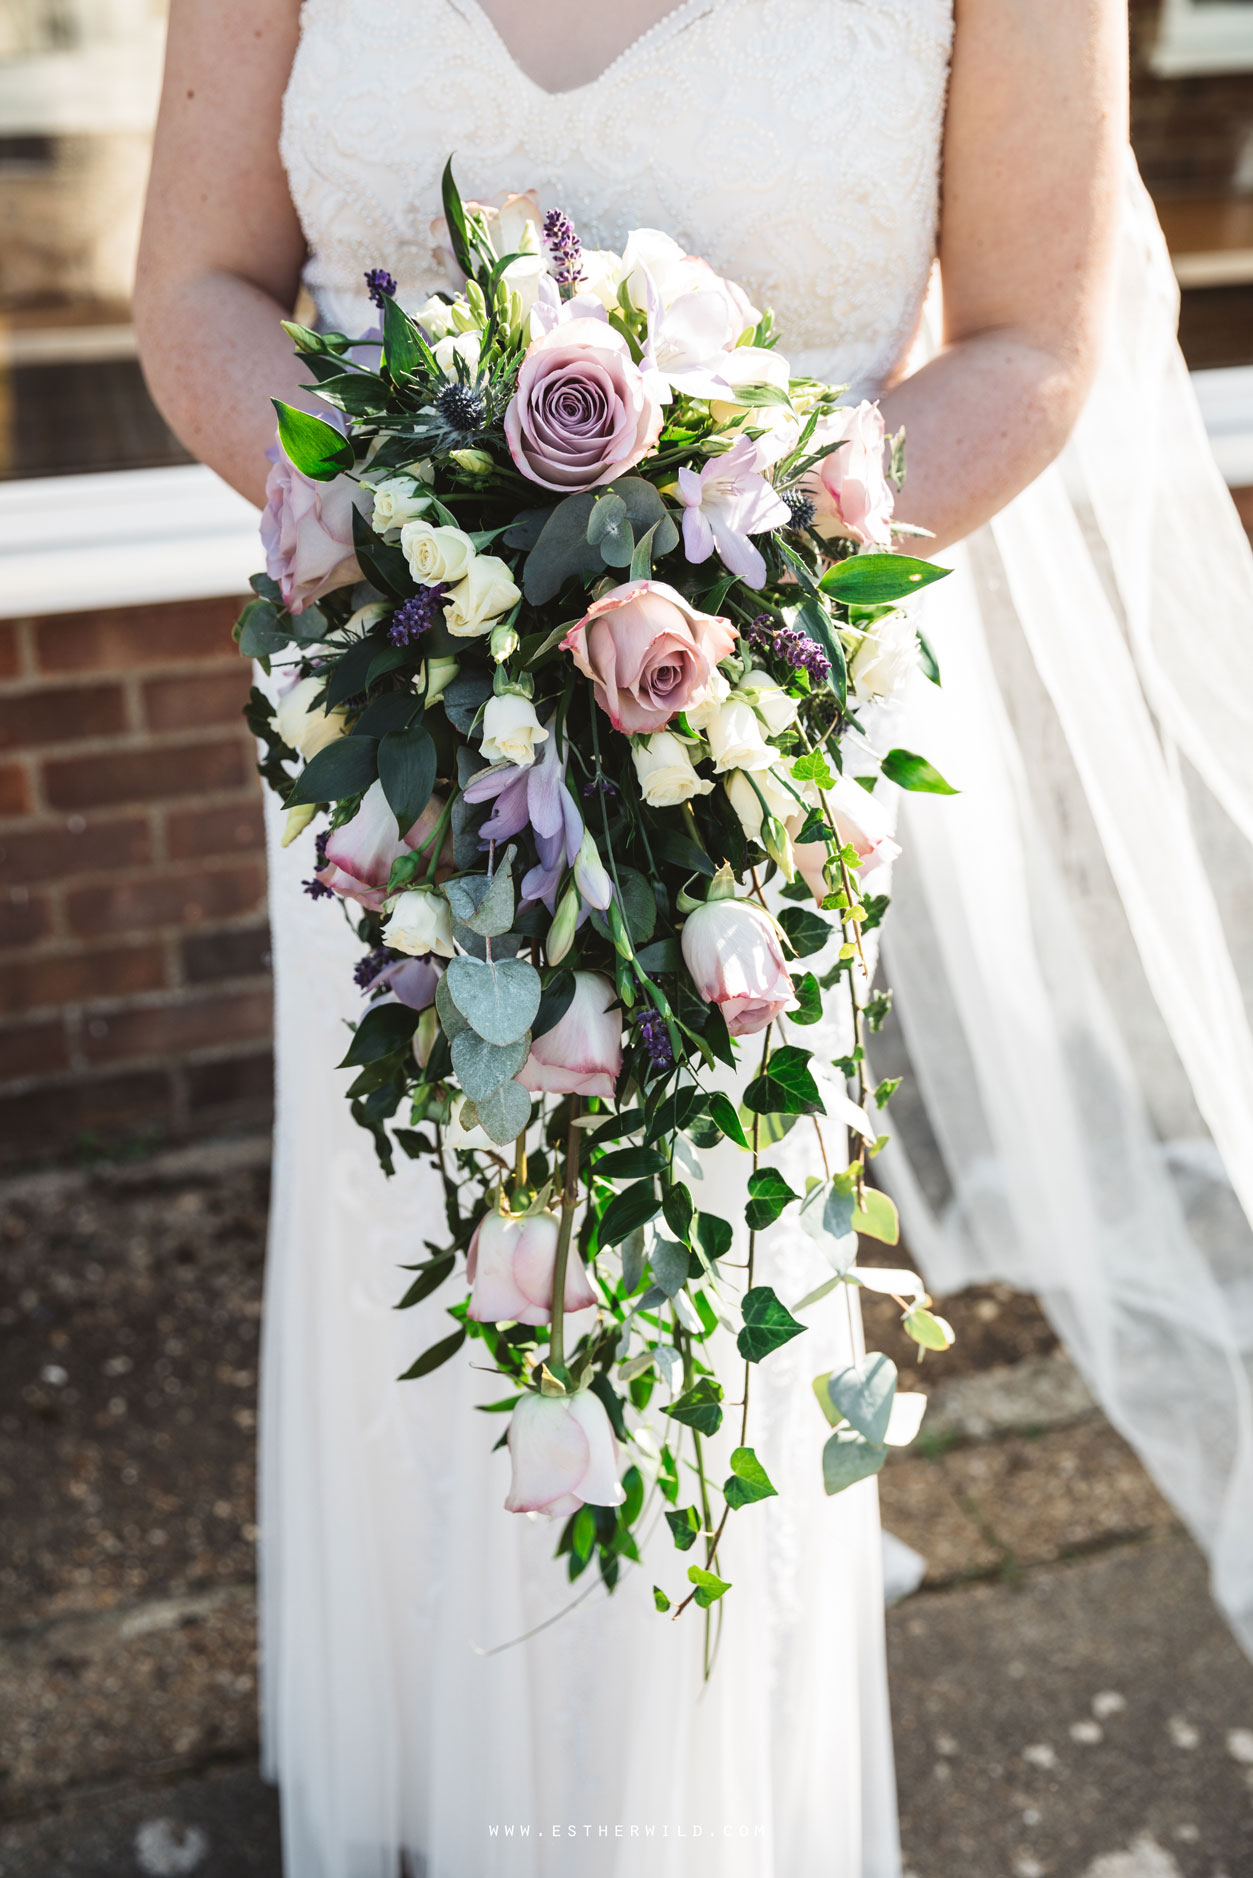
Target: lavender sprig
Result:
[[379, 285], [564, 248], [418, 615], [794, 648], [655, 1038]]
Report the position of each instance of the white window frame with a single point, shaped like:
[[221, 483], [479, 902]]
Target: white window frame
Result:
[[1203, 36]]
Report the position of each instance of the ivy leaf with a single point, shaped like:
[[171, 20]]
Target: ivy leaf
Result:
[[807, 931], [809, 999], [910, 771], [709, 1588], [749, 1480], [786, 1088], [315, 447], [768, 1194], [713, 1236], [660, 1600], [813, 767], [700, 1407], [635, 1206], [684, 1524], [768, 1324]]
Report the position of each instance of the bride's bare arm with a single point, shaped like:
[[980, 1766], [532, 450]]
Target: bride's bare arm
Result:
[[1033, 147], [221, 253]]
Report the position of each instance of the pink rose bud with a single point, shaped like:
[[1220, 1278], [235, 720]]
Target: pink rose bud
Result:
[[510, 1268], [583, 412], [359, 855], [648, 652], [582, 1054], [861, 822], [851, 494], [733, 952], [306, 531], [564, 1455]]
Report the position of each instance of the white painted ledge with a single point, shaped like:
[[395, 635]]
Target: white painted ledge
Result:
[[70, 544]]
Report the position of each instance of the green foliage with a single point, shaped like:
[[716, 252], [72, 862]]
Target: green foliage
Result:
[[909, 771], [699, 1407], [768, 1325], [768, 1194], [749, 1480], [786, 1087]]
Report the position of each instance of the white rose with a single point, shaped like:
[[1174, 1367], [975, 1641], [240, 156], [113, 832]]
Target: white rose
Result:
[[770, 701], [434, 317], [436, 554], [463, 346], [666, 771], [420, 922], [885, 658], [701, 712], [736, 740], [511, 731], [780, 797], [305, 727], [397, 501], [479, 599]]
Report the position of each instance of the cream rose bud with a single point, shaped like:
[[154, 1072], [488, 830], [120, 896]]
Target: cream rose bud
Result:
[[564, 1455], [735, 956], [436, 554], [701, 712], [397, 501], [771, 702], [510, 1267], [477, 601], [511, 731], [667, 775], [439, 675], [736, 740], [746, 801], [306, 726], [419, 922]]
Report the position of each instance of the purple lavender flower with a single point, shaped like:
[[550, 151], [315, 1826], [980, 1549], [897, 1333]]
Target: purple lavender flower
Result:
[[379, 285], [418, 615], [367, 968], [316, 889], [564, 248], [789, 644], [600, 786], [655, 1038]]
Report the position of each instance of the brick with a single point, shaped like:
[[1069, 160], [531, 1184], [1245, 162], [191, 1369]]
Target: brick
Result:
[[48, 1118], [14, 789], [89, 782], [59, 850], [216, 696], [60, 714], [78, 977], [236, 1082], [240, 953], [172, 1029], [164, 900], [229, 828], [1243, 499], [126, 638], [33, 1050], [24, 919], [10, 651]]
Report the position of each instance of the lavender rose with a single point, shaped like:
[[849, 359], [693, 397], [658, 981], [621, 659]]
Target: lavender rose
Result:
[[306, 531], [583, 412], [648, 651]]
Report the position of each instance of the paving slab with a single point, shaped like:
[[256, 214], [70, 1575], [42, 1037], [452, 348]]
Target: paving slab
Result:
[[1030, 1396], [1094, 1721], [221, 1824]]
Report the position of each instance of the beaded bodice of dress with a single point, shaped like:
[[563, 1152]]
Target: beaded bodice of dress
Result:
[[795, 144]]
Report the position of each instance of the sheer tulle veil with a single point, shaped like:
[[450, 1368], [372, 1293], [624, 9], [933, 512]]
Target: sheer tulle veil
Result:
[[1073, 1011]]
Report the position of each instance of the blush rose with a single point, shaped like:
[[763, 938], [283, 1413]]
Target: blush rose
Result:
[[583, 412], [648, 651]]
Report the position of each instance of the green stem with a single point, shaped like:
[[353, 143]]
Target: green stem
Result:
[[569, 1200]]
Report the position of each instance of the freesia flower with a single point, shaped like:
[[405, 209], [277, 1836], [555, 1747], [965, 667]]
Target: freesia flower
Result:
[[735, 738], [477, 601], [850, 492], [582, 1053], [564, 1455], [536, 795], [436, 554], [667, 775], [885, 658], [582, 412], [733, 952], [411, 981], [510, 1267], [511, 730], [307, 727], [420, 922], [306, 531], [359, 855], [590, 876], [648, 651], [726, 502]]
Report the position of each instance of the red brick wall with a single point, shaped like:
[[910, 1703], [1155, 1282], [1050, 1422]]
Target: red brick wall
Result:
[[1190, 133], [134, 984]]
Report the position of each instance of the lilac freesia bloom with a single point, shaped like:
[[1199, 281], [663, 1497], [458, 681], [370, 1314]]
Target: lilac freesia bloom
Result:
[[690, 340], [538, 796], [551, 310], [410, 981], [726, 502]]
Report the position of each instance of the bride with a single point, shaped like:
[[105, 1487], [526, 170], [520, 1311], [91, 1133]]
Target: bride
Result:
[[422, 1708]]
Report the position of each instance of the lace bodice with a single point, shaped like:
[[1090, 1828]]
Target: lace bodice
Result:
[[795, 144]]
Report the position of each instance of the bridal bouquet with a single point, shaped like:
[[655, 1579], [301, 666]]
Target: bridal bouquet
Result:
[[576, 596]]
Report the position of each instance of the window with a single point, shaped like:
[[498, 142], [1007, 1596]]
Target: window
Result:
[[1204, 36]]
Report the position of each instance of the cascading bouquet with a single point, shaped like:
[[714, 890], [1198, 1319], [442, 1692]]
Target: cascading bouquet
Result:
[[579, 599]]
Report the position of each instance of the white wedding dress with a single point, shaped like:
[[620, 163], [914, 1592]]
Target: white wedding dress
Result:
[[390, 1570]]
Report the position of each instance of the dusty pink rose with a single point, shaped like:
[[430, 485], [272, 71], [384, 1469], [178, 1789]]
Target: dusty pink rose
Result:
[[564, 1455], [582, 1053], [510, 1268], [648, 652], [851, 494], [306, 531], [863, 822], [583, 412], [733, 952], [359, 855]]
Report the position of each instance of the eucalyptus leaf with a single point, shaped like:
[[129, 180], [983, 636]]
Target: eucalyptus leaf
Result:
[[847, 1458], [482, 1067], [506, 1113], [450, 1017], [669, 1263], [863, 1394], [632, 1249], [499, 999]]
